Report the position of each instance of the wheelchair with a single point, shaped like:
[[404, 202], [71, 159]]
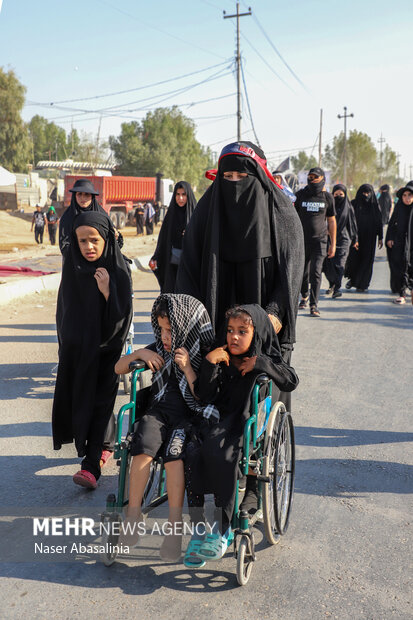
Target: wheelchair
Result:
[[268, 451]]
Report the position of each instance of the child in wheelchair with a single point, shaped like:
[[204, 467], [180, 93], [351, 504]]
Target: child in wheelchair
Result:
[[183, 333], [246, 347]]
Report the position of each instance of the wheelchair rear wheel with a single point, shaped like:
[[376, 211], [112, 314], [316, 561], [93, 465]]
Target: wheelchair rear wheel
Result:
[[278, 468]]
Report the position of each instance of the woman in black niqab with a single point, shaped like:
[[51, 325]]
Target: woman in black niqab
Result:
[[359, 266], [385, 203], [244, 243], [346, 235], [91, 332], [169, 246], [397, 246]]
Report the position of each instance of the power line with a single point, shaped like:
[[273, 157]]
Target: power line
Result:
[[268, 65], [248, 104], [131, 90]]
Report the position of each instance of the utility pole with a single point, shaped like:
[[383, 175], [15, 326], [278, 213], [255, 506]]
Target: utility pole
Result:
[[345, 116], [381, 140], [320, 157], [238, 61]]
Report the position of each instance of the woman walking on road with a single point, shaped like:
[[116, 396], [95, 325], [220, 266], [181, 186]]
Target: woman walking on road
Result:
[[52, 222], [346, 235], [94, 311], [396, 243], [359, 266], [168, 251], [385, 203]]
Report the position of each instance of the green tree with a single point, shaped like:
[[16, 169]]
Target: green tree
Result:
[[303, 162], [361, 159], [48, 140], [164, 142], [14, 138], [388, 167]]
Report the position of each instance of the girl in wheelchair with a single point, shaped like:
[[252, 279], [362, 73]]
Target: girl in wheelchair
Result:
[[183, 333], [246, 347]]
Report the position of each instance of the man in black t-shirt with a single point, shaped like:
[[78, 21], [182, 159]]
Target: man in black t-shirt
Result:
[[315, 208], [39, 222]]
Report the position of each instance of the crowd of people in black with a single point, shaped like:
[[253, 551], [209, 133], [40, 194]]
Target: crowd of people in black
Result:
[[233, 266]]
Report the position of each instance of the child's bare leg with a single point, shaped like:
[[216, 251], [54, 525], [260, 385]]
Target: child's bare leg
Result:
[[139, 474], [175, 486]]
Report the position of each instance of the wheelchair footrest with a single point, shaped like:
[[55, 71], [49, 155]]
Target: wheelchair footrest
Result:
[[263, 478]]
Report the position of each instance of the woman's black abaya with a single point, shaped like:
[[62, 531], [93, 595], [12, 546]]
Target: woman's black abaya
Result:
[[91, 333], [359, 266], [346, 235], [212, 457], [398, 254], [171, 236], [385, 203]]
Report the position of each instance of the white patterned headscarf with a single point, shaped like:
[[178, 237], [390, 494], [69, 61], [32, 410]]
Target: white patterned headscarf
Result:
[[190, 328]]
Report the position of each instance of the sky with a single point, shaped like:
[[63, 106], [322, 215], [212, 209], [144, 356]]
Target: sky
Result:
[[356, 54]]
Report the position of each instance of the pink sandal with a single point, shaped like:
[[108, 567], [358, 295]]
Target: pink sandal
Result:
[[105, 456], [85, 479], [399, 300]]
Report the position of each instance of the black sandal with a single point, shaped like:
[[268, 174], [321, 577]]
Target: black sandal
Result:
[[314, 311], [303, 303]]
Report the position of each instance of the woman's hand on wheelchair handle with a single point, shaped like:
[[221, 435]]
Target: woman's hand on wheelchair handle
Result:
[[152, 359], [218, 355]]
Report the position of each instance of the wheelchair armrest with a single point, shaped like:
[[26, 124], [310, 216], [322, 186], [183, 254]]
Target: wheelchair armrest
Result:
[[262, 380], [138, 365]]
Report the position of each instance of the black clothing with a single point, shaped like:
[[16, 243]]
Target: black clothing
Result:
[[38, 219], [91, 332], [38, 234], [359, 266], [385, 203], [171, 236], [315, 253], [52, 220], [346, 235], [68, 218], [213, 454], [398, 255], [210, 262], [313, 208], [140, 220]]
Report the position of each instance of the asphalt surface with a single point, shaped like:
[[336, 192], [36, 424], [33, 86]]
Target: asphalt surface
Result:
[[347, 553]]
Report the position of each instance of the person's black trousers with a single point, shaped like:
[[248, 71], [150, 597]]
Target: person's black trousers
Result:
[[315, 253], [38, 234], [52, 234]]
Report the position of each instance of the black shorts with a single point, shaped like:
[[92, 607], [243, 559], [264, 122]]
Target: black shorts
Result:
[[162, 433]]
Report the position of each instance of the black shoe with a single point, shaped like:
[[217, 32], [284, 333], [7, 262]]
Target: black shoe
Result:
[[337, 294], [349, 285], [329, 290], [250, 501]]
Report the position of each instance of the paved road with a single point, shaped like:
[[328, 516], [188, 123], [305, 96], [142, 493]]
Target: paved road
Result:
[[347, 553]]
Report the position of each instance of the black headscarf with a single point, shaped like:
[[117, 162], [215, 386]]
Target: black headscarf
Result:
[[171, 235], [344, 215], [68, 218], [91, 333], [208, 242]]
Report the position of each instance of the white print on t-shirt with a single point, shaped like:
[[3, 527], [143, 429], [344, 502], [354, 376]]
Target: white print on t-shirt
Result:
[[313, 206]]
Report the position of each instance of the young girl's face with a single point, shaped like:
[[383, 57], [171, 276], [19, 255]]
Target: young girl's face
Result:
[[166, 337], [233, 175], [407, 198], [91, 244], [239, 336], [181, 197]]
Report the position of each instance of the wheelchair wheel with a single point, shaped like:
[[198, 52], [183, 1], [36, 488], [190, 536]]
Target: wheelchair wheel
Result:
[[244, 561], [278, 468], [109, 539]]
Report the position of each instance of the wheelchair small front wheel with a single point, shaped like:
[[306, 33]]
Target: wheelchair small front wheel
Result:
[[244, 561], [110, 538]]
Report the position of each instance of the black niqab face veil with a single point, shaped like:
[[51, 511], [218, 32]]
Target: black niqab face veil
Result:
[[244, 211]]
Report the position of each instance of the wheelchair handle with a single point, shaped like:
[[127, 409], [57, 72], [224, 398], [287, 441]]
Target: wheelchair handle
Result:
[[262, 380], [138, 365]]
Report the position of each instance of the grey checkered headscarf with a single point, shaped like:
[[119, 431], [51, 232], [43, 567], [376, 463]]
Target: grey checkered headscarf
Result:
[[190, 328]]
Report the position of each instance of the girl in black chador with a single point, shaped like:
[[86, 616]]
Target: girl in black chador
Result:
[[385, 203], [346, 235], [168, 251], [397, 243], [246, 347], [94, 311], [359, 266]]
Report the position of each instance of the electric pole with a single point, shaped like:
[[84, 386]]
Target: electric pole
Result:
[[238, 61], [320, 157], [381, 140], [345, 116]]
